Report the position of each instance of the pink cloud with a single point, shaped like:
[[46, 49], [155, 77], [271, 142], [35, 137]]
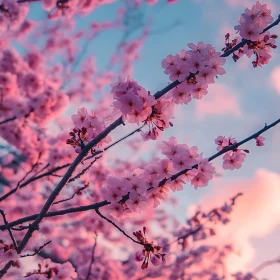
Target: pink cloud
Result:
[[275, 79], [255, 215], [220, 100]]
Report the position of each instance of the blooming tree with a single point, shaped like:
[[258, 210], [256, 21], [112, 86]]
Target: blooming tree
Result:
[[63, 204]]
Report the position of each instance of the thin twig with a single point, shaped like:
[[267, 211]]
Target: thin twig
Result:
[[37, 251], [76, 192], [265, 264], [41, 170], [92, 257], [8, 120], [31, 170], [56, 213], [9, 230], [202, 226], [20, 228], [84, 170], [123, 138], [187, 234], [225, 150], [116, 226], [32, 179]]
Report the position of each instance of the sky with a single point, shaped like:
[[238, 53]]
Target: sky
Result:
[[239, 104]]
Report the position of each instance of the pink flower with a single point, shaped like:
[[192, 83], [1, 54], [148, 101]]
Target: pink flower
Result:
[[179, 72], [190, 174], [136, 202], [155, 196], [200, 180], [233, 160], [199, 91], [196, 63], [253, 21], [206, 75], [216, 64], [180, 160], [165, 168], [207, 169], [80, 119], [222, 142], [182, 93], [167, 63], [260, 141], [112, 194], [176, 185], [137, 185], [116, 210], [130, 102]]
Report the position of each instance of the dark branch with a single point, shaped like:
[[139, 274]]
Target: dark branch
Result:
[[30, 171], [265, 264], [8, 120], [67, 199], [9, 230], [85, 169], [92, 257], [162, 182], [37, 251], [116, 226]]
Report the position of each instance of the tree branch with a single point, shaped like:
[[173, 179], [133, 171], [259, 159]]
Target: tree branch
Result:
[[162, 182], [67, 199], [116, 226], [37, 251], [92, 257], [56, 213], [32, 168], [9, 230], [84, 170], [8, 120], [265, 264]]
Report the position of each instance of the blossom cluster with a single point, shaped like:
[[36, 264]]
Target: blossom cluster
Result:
[[12, 14], [49, 270], [194, 229], [30, 97], [133, 101], [199, 171], [151, 184], [87, 127], [138, 105], [232, 159], [196, 68], [149, 252], [252, 23]]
